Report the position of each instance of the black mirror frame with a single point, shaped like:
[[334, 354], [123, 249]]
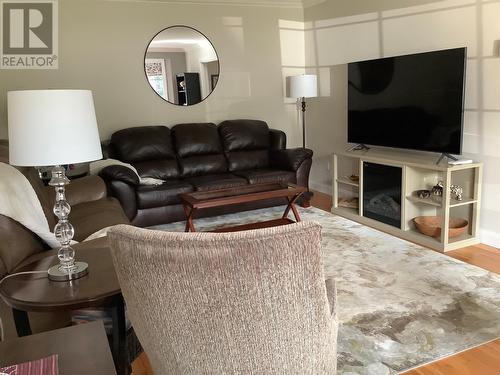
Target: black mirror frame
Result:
[[146, 75]]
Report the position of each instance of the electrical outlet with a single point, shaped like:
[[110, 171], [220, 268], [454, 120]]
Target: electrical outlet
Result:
[[328, 165]]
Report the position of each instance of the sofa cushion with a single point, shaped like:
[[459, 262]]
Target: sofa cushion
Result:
[[244, 160], [196, 139], [240, 135], [203, 165], [149, 196], [142, 143], [17, 243], [199, 149], [147, 148], [163, 169], [246, 144], [266, 175], [89, 217], [215, 182]]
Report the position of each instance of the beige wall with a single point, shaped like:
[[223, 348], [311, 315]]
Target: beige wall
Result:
[[338, 32], [102, 45]]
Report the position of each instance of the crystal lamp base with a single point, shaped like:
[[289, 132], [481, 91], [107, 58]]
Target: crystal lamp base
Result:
[[57, 273]]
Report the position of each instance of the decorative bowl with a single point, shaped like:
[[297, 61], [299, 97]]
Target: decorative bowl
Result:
[[423, 194], [431, 226]]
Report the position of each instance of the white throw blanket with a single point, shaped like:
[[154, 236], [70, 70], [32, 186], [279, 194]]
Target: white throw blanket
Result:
[[19, 201], [96, 166]]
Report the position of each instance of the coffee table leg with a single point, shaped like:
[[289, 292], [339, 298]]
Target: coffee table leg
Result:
[[119, 342], [189, 211], [295, 213], [22, 322], [291, 205]]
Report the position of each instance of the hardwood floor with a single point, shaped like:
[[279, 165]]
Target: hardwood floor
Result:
[[141, 366], [483, 256], [482, 360]]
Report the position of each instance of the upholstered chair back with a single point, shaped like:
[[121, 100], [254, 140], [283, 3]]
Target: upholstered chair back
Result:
[[252, 302]]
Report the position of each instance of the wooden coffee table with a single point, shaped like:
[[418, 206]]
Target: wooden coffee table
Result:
[[199, 200], [100, 288]]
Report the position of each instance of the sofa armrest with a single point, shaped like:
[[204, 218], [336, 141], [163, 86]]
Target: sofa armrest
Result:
[[122, 183], [119, 173], [290, 159], [331, 294], [277, 139], [85, 189]]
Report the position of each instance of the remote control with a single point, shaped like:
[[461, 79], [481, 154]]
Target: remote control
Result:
[[460, 161]]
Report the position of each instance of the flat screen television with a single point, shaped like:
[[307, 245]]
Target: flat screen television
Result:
[[410, 102]]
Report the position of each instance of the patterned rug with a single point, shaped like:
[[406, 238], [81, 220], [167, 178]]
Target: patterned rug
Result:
[[400, 305]]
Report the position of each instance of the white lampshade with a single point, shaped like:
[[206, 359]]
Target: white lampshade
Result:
[[52, 127], [303, 86]]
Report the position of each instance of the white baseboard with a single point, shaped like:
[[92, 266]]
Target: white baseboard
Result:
[[488, 237], [321, 187]]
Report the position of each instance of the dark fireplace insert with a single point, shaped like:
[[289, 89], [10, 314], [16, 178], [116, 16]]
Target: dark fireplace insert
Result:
[[382, 193]]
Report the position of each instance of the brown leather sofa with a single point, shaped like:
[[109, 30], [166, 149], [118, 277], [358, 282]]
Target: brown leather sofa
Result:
[[91, 210], [195, 157]]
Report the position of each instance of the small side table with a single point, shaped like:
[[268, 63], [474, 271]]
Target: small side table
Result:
[[100, 288], [81, 349]]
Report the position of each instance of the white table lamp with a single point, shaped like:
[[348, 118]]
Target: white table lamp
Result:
[[54, 128], [303, 86]]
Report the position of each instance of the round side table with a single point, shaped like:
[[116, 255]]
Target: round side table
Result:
[[100, 288]]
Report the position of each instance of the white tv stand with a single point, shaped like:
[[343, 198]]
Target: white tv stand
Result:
[[418, 171]]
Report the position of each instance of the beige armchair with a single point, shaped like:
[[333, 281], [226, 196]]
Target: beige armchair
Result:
[[251, 302]]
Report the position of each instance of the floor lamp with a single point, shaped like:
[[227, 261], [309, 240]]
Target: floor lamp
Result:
[[303, 86], [55, 128]]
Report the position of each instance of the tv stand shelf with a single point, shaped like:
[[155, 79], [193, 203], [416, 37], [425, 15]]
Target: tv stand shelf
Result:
[[345, 180], [418, 171]]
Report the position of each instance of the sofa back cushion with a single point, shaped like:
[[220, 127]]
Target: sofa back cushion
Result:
[[246, 143], [16, 241], [17, 244], [147, 148], [199, 149]]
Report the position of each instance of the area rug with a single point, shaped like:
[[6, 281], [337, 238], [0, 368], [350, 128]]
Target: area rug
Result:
[[400, 305]]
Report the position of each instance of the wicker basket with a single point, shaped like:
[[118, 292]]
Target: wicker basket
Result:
[[431, 226]]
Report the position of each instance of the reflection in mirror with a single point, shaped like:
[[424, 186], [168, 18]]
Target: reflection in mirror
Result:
[[181, 65]]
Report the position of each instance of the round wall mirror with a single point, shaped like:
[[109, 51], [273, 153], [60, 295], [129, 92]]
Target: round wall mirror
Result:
[[181, 65]]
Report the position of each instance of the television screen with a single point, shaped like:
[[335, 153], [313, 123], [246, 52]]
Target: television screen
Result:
[[412, 101]]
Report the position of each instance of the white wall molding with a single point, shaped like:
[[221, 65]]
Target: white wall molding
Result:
[[488, 237]]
